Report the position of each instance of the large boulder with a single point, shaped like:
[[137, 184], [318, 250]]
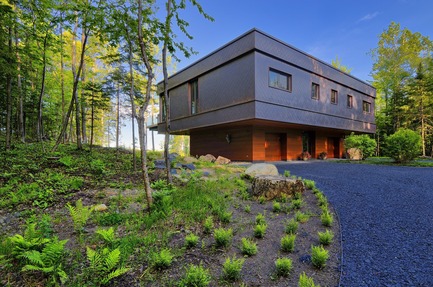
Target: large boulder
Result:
[[261, 169], [271, 187], [208, 158], [222, 160], [189, 159], [354, 154]]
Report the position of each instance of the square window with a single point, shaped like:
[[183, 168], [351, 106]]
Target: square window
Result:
[[349, 101], [280, 80], [193, 94], [366, 107], [334, 97], [315, 91]]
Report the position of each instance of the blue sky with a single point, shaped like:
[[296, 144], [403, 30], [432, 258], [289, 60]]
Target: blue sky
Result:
[[324, 29]]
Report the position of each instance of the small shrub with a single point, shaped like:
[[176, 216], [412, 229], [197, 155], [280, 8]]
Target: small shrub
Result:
[[260, 230], [104, 265], [403, 146], [297, 195], [321, 199], [364, 143], [297, 203], [309, 184], [288, 243], [319, 256], [232, 268], [287, 173], [292, 226], [195, 276], [326, 237], [260, 219], [162, 259], [327, 218], [97, 167], [305, 281], [191, 240], [247, 208], [301, 217], [283, 266], [208, 225], [223, 237], [276, 207], [225, 216], [262, 199], [248, 247]]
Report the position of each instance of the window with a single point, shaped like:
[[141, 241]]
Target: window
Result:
[[334, 97], [315, 91], [193, 94], [349, 101], [280, 80], [366, 107]]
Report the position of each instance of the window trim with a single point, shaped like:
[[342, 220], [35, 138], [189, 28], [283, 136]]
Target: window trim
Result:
[[349, 106], [336, 97], [364, 105], [193, 85], [288, 77], [316, 94]]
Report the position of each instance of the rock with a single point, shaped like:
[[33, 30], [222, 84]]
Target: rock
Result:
[[206, 173], [271, 187], [173, 156], [261, 169], [189, 159], [189, 166], [222, 160], [100, 207], [354, 154], [173, 171], [179, 165], [159, 164], [207, 158]]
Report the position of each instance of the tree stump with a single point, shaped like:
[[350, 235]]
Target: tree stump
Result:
[[271, 187]]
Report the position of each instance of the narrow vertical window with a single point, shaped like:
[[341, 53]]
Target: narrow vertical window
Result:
[[334, 97], [193, 93], [315, 91], [280, 80], [349, 101], [366, 107]]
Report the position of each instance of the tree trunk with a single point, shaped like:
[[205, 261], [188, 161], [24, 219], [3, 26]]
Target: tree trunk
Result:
[[39, 129], [83, 100], [21, 129], [62, 76], [166, 96], [117, 117], [9, 98], [92, 120], [134, 156]]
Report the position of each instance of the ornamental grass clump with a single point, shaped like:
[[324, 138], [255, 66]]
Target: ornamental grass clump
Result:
[[326, 237], [305, 281], [327, 218], [260, 230], [248, 247], [223, 237], [301, 217], [319, 256], [283, 266], [297, 203], [208, 225], [191, 240], [276, 207], [260, 219], [195, 276], [288, 243], [292, 226]]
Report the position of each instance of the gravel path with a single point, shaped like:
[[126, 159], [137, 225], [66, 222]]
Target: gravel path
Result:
[[386, 214]]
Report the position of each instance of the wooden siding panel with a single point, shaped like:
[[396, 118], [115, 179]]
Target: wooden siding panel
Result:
[[294, 144], [321, 145], [258, 146]]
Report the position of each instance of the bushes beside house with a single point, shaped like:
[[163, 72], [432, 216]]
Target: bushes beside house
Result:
[[364, 143], [403, 146]]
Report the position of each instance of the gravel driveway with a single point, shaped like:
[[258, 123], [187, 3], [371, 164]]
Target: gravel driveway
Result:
[[386, 214]]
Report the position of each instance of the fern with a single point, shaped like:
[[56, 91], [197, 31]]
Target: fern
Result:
[[80, 214], [107, 235], [104, 264]]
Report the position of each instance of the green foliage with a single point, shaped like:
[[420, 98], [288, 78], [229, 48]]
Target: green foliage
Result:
[[260, 230], [67, 161], [162, 259], [305, 281], [191, 240], [287, 173], [301, 217], [223, 237], [196, 276], [325, 238], [276, 206], [297, 195], [232, 268], [247, 208], [260, 219], [327, 218], [403, 146], [319, 256], [225, 216], [297, 203], [97, 167], [288, 243], [104, 265], [248, 247], [47, 261], [283, 266], [292, 226], [309, 184], [262, 199], [110, 218], [107, 235], [364, 143], [208, 225], [79, 214]]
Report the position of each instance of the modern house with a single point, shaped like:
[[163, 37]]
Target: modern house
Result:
[[260, 99]]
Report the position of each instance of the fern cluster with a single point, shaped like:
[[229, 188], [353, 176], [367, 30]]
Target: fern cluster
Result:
[[80, 214], [104, 264]]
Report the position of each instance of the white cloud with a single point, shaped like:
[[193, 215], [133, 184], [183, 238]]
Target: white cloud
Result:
[[369, 16]]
